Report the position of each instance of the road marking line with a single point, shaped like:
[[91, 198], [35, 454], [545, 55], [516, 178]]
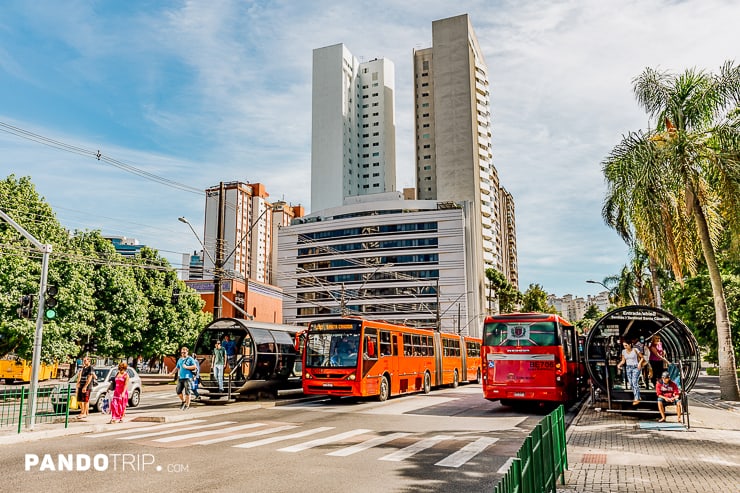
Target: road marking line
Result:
[[146, 435], [300, 434], [467, 452], [373, 442], [148, 428], [247, 435], [207, 432], [411, 450], [324, 441], [408, 404]]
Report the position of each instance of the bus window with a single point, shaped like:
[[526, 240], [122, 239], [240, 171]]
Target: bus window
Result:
[[395, 344], [385, 343], [407, 346], [417, 344], [520, 334]]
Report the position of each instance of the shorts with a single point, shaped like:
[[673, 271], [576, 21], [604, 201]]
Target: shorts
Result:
[[83, 396], [184, 385], [666, 403]]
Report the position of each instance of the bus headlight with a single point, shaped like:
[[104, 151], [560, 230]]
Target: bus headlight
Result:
[[307, 376], [351, 376]]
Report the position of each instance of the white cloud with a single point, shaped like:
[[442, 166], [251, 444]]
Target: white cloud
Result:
[[207, 91]]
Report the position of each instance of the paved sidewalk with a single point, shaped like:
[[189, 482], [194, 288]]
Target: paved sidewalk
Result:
[[608, 451]]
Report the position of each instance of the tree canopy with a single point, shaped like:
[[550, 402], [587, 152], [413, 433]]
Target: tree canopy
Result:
[[123, 304]]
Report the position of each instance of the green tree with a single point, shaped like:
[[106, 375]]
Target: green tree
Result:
[[499, 288], [534, 299], [679, 182], [123, 304]]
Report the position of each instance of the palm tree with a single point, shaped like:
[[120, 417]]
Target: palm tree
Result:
[[675, 188]]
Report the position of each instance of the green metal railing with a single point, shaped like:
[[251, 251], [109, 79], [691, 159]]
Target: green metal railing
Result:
[[51, 405], [541, 459]]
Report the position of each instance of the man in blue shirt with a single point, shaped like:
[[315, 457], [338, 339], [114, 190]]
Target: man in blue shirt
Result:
[[230, 347], [184, 369]]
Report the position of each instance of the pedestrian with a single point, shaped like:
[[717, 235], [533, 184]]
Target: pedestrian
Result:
[[632, 360], [230, 347], [657, 358], [84, 387], [668, 393], [120, 394], [184, 371], [218, 360], [196, 377]]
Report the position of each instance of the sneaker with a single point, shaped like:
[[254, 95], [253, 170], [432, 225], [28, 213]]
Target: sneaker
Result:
[[182, 406], [187, 407]]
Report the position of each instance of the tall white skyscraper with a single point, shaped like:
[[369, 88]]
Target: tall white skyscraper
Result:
[[353, 143]]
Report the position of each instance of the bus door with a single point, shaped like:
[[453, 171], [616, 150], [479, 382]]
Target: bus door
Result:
[[438, 354], [370, 374], [386, 361], [463, 359]]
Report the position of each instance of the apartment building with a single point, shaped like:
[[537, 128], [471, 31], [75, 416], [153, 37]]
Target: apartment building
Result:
[[353, 131], [454, 158]]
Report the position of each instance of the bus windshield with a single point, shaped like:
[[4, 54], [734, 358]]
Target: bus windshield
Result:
[[332, 348], [520, 334]]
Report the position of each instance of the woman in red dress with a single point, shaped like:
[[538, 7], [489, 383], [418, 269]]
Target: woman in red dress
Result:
[[120, 394]]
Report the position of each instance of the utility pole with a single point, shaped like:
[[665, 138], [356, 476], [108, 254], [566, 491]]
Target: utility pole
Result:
[[439, 315], [219, 264], [39, 335]]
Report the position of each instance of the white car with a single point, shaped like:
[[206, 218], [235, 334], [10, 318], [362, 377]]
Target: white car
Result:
[[103, 375]]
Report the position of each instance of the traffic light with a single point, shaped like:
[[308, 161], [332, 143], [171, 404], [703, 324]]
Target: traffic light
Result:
[[93, 346], [50, 301], [26, 309], [175, 296]]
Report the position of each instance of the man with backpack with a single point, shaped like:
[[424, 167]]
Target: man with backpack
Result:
[[184, 369]]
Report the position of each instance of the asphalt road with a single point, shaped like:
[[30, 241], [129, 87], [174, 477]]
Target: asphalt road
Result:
[[450, 440]]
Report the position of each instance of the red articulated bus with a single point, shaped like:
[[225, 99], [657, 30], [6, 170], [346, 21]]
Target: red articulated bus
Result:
[[358, 357], [532, 357]]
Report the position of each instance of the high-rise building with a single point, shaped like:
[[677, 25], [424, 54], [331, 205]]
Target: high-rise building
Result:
[[249, 223], [385, 258], [454, 159], [353, 143], [509, 262]]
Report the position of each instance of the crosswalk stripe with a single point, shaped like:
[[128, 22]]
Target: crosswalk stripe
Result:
[[207, 432], [367, 444], [148, 428], [247, 435], [411, 450], [324, 441], [187, 428], [466, 453], [300, 434]]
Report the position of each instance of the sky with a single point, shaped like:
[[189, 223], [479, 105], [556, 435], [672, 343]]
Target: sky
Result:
[[198, 92]]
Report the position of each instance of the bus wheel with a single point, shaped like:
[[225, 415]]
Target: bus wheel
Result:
[[477, 377], [427, 382], [455, 380], [385, 389]]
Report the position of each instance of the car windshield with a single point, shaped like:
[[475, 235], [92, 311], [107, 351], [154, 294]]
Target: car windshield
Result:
[[100, 375]]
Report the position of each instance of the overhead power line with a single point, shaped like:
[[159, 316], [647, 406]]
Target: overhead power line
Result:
[[56, 144]]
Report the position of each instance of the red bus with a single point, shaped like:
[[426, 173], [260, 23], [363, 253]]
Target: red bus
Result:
[[532, 357], [357, 357]]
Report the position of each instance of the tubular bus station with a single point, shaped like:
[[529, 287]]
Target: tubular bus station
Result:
[[633, 324], [265, 356]]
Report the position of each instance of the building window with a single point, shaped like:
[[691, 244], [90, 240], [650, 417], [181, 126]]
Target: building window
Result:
[[375, 94], [425, 65], [424, 94], [376, 174], [425, 105], [376, 154], [376, 185], [425, 136], [425, 84]]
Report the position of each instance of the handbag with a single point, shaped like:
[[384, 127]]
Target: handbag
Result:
[[112, 385], [73, 401]]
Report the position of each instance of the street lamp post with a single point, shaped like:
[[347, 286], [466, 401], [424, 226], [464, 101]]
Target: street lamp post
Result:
[[597, 282], [216, 271]]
